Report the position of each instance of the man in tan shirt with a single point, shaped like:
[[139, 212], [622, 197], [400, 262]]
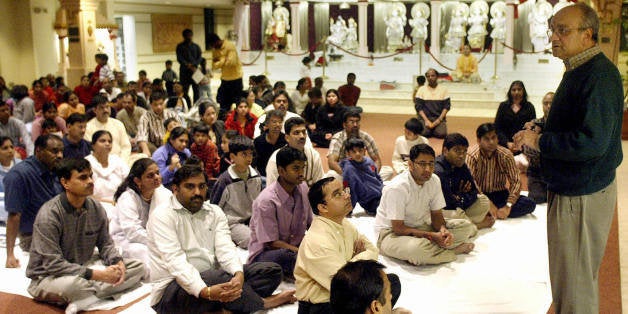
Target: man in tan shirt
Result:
[[225, 57], [319, 256]]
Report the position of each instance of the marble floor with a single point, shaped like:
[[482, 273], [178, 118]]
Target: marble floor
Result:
[[540, 73]]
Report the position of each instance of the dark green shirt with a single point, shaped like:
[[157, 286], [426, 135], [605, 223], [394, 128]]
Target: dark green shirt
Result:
[[581, 143]]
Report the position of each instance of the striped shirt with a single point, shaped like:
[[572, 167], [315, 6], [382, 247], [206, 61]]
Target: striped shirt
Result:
[[337, 145], [495, 172], [151, 127]]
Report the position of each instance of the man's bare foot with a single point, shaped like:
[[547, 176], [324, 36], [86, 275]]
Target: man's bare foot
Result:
[[279, 299], [488, 222], [464, 248]]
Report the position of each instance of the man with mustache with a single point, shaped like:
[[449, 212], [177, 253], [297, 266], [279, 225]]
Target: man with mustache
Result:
[[337, 151], [62, 266], [296, 136], [195, 266], [580, 148], [27, 186]]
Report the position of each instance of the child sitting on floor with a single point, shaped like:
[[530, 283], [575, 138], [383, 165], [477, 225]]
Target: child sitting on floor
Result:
[[411, 136], [236, 189], [359, 173]]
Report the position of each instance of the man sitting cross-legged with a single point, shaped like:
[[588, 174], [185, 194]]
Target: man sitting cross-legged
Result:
[[337, 150], [493, 167], [329, 244], [410, 220], [461, 194], [67, 229], [195, 266], [296, 136], [281, 214]]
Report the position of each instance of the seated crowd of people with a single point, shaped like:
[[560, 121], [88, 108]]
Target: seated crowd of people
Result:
[[167, 192]]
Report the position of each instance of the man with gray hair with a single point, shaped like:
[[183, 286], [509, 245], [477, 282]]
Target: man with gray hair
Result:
[[580, 149]]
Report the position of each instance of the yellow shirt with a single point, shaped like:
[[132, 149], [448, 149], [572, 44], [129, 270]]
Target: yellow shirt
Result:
[[226, 58], [467, 64], [326, 247]]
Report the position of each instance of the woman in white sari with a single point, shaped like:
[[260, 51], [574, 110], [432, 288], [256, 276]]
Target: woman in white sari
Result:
[[135, 198]]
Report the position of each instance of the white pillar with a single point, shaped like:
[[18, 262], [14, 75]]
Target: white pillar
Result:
[[245, 31], [510, 32], [363, 48], [435, 28], [295, 29], [241, 24]]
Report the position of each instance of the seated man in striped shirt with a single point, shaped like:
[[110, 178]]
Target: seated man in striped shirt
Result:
[[496, 174]]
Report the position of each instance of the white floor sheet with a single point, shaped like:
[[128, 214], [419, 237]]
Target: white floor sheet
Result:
[[506, 273]]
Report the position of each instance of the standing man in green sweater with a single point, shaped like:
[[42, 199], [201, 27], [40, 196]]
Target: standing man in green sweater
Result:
[[580, 149]]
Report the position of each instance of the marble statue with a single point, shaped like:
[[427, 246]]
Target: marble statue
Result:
[[477, 19], [420, 13], [498, 23], [457, 28], [537, 19], [351, 41], [338, 31], [395, 22], [277, 28]]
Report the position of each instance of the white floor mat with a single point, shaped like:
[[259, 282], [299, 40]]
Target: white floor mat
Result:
[[506, 273]]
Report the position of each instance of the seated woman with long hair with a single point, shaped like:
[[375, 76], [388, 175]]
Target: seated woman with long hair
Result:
[[140, 192], [241, 119], [171, 156], [109, 169]]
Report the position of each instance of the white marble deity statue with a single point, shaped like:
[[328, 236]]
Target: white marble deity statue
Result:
[[351, 41], [337, 33], [282, 20], [561, 4], [498, 23], [420, 13], [457, 28], [477, 19], [395, 22], [538, 20]]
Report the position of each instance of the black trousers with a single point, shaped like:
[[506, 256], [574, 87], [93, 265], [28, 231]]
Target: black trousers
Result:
[[260, 280], [522, 207], [229, 93]]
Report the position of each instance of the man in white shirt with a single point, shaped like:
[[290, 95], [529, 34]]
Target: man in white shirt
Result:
[[195, 266], [410, 220], [121, 144], [296, 136]]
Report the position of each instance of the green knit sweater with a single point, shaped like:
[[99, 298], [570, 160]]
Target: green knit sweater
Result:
[[581, 142]]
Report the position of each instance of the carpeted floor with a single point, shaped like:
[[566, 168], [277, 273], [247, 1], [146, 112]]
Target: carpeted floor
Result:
[[385, 128]]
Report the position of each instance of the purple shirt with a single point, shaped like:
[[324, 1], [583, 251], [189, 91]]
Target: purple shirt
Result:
[[279, 216]]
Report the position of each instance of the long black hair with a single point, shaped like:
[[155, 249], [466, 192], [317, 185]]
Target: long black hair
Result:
[[137, 170]]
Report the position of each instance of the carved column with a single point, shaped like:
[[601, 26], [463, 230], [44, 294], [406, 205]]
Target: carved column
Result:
[[61, 28], [435, 28], [508, 55], [81, 15], [295, 28], [362, 27]]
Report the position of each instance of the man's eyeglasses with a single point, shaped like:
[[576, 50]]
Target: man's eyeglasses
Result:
[[424, 164], [563, 31]]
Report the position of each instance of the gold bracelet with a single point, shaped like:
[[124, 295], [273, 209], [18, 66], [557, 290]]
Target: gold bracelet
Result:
[[209, 296]]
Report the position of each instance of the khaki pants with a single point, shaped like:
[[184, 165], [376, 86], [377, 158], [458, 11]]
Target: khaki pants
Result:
[[475, 213], [66, 289], [577, 230], [421, 251]]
